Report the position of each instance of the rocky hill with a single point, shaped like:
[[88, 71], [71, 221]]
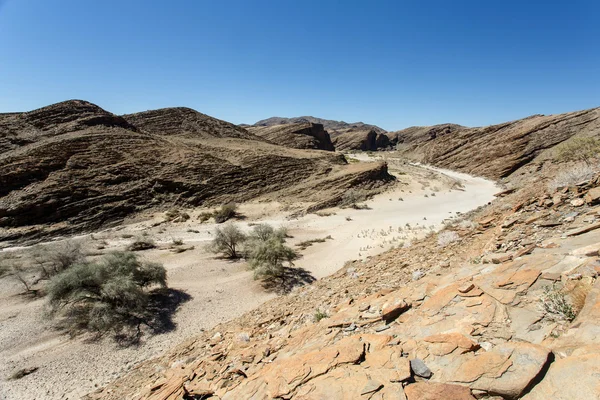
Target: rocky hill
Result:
[[504, 304], [361, 139], [333, 127], [296, 135], [73, 166], [495, 151]]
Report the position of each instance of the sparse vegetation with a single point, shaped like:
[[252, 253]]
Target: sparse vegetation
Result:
[[267, 252], [141, 243], [175, 215], [578, 149], [177, 242], [225, 213], [555, 306], [319, 315], [205, 216], [54, 259], [228, 240], [307, 243], [447, 237], [108, 295], [572, 176]]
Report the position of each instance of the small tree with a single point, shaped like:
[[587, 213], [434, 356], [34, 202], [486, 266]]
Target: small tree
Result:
[[107, 295], [267, 252], [226, 212], [228, 240], [267, 258], [578, 149], [53, 259]]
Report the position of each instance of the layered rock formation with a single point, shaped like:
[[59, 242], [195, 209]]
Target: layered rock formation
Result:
[[73, 166], [495, 151], [298, 135], [476, 322], [345, 136]]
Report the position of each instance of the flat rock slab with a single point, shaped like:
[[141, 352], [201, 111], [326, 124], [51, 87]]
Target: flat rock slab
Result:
[[437, 391], [570, 378]]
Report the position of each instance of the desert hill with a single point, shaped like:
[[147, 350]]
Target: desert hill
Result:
[[73, 166], [333, 127], [495, 151], [296, 135], [344, 136]]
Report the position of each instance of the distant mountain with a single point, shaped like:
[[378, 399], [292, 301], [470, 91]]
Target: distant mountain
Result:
[[333, 127]]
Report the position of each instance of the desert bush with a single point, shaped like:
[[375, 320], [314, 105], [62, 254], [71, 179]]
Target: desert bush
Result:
[[447, 237], [225, 213], [555, 306], [267, 252], [55, 258], [205, 216], [177, 242], [141, 243], [578, 149], [228, 240], [176, 215], [319, 315], [267, 257], [108, 295], [265, 231], [573, 175]]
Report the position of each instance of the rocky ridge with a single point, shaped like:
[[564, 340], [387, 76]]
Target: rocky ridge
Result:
[[333, 127], [495, 151], [73, 167], [299, 135], [472, 319]]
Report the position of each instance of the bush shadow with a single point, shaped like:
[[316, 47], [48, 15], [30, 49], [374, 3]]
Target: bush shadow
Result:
[[289, 279]]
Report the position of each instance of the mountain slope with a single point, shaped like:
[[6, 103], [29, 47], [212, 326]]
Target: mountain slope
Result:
[[72, 166], [298, 136], [333, 127], [499, 150]]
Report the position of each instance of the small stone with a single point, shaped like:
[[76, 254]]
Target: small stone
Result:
[[577, 202], [419, 368], [371, 387], [382, 328], [467, 287]]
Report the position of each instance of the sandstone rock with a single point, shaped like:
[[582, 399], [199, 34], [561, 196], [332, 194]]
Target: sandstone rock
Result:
[[585, 229], [587, 251], [437, 391], [577, 202], [393, 310], [300, 136], [506, 370], [593, 196], [574, 377]]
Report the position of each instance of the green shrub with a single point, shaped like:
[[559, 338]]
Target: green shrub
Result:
[[108, 295], [53, 259], [578, 149], [319, 315], [225, 213], [205, 216], [555, 305], [267, 257], [228, 240], [176, 215], [265, 231]]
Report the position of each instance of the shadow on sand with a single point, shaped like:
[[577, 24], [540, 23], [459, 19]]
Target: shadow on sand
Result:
[[291, 278]]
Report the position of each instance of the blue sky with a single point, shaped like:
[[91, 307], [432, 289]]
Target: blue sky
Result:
[[390, 63]]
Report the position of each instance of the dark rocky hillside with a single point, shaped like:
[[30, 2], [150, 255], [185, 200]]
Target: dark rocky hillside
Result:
[[73, 167], [298, 136], [495, 151]]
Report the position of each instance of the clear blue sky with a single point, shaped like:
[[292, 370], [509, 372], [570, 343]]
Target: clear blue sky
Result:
[[390, 63]]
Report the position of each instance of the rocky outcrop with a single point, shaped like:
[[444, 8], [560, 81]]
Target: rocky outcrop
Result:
[[499, 150], [361, 140], [73, 166], [333, 127], [181, 121], [298, 136], [462, 329]]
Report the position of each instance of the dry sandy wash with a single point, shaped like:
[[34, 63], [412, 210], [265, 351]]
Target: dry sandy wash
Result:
[[221, 290]]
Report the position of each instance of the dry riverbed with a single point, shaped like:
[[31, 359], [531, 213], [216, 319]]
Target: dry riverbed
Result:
[[218, 289]]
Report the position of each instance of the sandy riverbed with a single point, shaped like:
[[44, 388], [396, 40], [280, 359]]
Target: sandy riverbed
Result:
[[219, 289]]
